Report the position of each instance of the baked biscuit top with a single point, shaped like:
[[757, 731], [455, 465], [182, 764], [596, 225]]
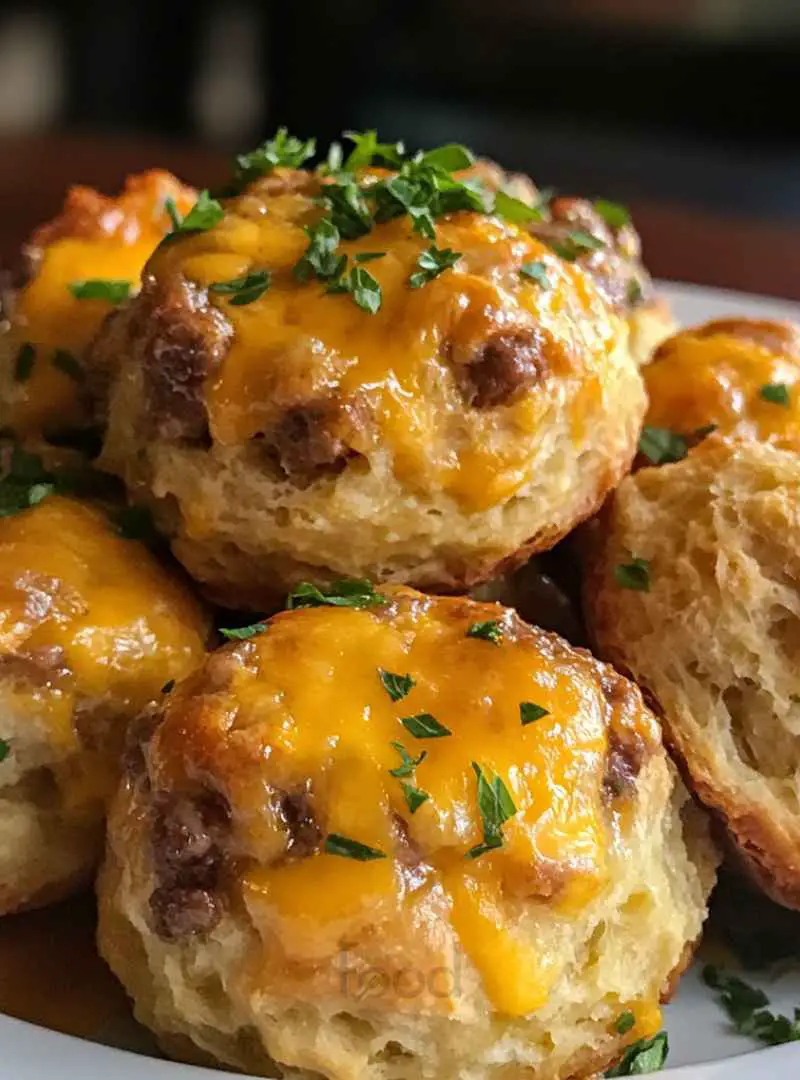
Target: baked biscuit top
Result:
[[79, 267], [737, 376], [408, 756], [318, 317]]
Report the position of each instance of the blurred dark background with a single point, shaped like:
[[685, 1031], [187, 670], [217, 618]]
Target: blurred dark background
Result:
[[688, 109]]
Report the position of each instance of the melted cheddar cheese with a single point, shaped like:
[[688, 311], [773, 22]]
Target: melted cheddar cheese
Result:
[[700, 378], [396, 367], [306, 711], [95, 237], [101, 620]]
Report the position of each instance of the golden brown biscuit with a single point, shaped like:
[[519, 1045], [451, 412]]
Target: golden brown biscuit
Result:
[[44, 328], [417, 837], [91, 628], [281, 431], [692, 587], [607, 247], [738, 375]]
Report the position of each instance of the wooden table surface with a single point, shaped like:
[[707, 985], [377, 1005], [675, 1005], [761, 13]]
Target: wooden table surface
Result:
[[679, 242]]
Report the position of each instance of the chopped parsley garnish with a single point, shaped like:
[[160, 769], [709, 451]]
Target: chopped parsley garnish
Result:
[[529, 712], [644, 1056], [496, 807], [68, 365], [243, 290], [536, 271], [282, 150], [204, 215], [396, 686], [424, 726], [634, 575], [490, 630], [364, 289], [112, 290], [25, 484], [515, 210], [168, 686], [451, 157], [347, 207], [369, 256], [320, 258], [242, 633], [408, 763], [634, 292], [350, 592], [367, 149], [612, 213], [23, 364], [625, 1021], [414, 796], [351, 849], [660, 445], [5, 749], [575, 243], [431, 263], [747, 1007], [775, 393]]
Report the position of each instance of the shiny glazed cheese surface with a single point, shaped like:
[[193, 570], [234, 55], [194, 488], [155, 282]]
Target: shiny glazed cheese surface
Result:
[[306, 711], [112, 622], [395, 369], [698, 379], [95, 237]]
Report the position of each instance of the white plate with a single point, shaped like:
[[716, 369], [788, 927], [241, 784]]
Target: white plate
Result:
[[702, 1044]]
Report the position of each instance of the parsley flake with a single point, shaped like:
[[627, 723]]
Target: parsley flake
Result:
[[320, 258], [660, 445], [625, 1021], [634, 293], [204, 215], [243, 290], [490, 630], [515, 210], [350, 849], [747, 1007], [367, 149], [425, 726], [365, 290], [5, 749], [644, 1056], [634, 575], [349, 592], [775, 393], [112, 290], [168, 686], [612, 213], [576, 243], [529, 712], [451, 157], [23, 364], [408, 763], [282, 150], [68, 365], [347, 207], [396, 686], [242, 633], [369, 256], [536, 271], [431, 263], [414, 796], [496, 806]]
